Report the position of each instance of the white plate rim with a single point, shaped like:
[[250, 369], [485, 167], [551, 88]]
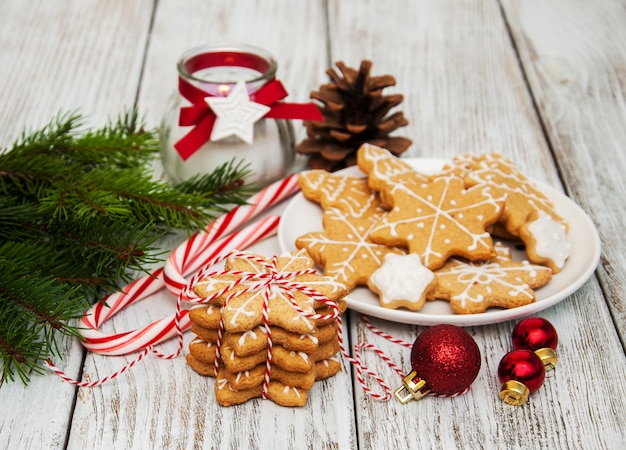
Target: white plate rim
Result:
[[562, 204]]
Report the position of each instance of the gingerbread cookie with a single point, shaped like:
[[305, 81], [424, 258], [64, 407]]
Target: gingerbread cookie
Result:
[[524, 204], [347, 193], [244, 312], [200, 367], [203, 351], [327, 368], [343, 249], [255, 340], [206, 316], [292, 361], [277, 392], [440, 219], [546, 240], [206, 334], [280, 301], [402, 281], [473, 287], [436, 218], [248, 379], [383, 169]]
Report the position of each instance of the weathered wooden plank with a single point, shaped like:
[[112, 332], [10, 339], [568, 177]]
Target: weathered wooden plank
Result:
[[82, 56], [464, 91], [575, 60], [85, 56]]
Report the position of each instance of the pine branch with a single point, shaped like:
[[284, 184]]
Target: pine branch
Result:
[[30, 322], [80, 211]]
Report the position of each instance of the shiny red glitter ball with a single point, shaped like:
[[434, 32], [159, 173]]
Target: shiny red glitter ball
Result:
[[523, 366], [534, 333], [447, 358]]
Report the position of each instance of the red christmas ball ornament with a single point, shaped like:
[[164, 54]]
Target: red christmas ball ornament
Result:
[[445, 361], [538, 335], [521, 372]]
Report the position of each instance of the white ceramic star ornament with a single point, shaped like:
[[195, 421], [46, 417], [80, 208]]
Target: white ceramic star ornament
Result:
[[236, 114]]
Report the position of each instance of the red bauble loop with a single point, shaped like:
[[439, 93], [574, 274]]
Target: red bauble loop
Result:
[[447, 358], [523, 366], [534, 333]]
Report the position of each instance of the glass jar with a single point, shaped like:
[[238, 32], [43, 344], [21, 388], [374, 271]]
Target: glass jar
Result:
[[215, 70]]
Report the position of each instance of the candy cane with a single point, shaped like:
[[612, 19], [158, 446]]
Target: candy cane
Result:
[[199, 250], [165, 328]]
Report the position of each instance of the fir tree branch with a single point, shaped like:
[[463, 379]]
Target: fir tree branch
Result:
[[80, 212]]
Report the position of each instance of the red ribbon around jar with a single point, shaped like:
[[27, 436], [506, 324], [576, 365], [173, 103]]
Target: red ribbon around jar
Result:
[[200, 115]]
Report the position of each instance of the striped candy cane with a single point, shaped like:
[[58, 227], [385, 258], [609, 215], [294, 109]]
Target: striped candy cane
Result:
[[165, 328], [200, 250]]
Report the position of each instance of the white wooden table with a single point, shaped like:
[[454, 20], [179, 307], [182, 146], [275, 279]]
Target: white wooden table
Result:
[[542, 81]]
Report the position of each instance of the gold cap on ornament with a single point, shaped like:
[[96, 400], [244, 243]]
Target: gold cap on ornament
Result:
[[413, 388], [547, 357], [514, 393]]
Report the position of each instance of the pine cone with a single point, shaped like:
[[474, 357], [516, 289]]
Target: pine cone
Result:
[[355, 112]]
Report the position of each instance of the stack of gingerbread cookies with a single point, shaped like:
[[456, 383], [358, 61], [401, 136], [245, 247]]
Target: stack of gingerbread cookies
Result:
[[265, 330]]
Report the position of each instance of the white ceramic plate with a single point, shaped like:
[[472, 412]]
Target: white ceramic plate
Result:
[[303, 216]]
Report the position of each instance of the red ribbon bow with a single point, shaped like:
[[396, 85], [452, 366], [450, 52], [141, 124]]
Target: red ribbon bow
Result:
[[202, 118]]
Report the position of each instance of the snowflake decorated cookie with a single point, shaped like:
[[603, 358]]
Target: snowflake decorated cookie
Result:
[[343, 249], [402, 281], [473, 287], [435, 217]]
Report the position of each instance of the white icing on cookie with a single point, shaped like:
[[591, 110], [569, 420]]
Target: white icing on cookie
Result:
[[550, 239], [402, 278], [288, 389]]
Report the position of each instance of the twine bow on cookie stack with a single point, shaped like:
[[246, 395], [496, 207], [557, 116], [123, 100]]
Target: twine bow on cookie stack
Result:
[[259, 296]]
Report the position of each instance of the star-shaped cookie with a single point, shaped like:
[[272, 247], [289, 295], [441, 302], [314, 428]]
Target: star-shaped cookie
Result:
[[438, 219], [402, 281], [523, 195], [385, 170], [474, 287], [526, 207]]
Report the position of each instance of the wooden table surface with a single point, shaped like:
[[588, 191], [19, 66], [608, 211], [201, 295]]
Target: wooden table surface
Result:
[[541, 81]]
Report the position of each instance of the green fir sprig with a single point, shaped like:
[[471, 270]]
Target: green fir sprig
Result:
[[80, 212]]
